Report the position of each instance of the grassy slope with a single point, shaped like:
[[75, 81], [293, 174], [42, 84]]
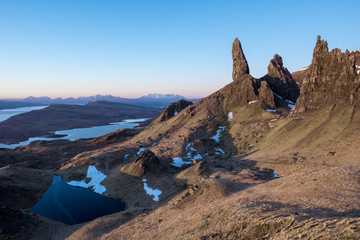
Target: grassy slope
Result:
[[315, 154]]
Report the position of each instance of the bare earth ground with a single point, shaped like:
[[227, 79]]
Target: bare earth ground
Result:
[[221, 196]]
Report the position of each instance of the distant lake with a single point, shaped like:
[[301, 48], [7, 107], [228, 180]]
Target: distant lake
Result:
[[7, 113], [77, 133], [73, 205]]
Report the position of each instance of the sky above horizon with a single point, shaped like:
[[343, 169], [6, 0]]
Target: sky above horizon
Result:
[[132, 48]]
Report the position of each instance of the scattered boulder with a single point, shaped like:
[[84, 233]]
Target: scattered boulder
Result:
[[240, 65], [280, 80]]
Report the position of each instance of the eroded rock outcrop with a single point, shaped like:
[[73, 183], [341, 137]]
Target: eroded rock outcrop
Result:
[[147, 162], [332, 78], [245, 88], [240, 65], [172, 110], [266, 95], [280, 80]]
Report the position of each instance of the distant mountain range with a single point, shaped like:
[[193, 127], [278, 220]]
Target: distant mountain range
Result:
[[150, 100]]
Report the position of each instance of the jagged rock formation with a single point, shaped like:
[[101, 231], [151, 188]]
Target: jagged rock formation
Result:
[[232, 195], [240, 65], [266, 95], [280, 80], [172, 110], [245, 88], [147, 162], [332, 78]]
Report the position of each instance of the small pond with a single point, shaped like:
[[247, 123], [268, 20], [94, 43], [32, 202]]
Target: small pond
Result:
[[73, 205]]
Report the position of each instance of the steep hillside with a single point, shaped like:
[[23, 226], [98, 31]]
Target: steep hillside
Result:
[[238, 164]]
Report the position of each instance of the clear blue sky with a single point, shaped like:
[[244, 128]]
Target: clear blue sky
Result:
[[131, 48]]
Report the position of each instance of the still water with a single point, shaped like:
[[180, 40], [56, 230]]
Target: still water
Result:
[[73, 205], [77, 133], [7, 113]]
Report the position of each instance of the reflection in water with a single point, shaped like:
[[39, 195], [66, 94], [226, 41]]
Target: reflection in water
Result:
[[73, 205]]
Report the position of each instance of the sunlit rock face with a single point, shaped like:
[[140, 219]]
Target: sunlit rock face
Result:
[[332, 78], [240, 65]]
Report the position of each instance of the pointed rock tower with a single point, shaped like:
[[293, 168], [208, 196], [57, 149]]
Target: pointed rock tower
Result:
[[280, 80], [240, 65], [245, 88], [332, 78]]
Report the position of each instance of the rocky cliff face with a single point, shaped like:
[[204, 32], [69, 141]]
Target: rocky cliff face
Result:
[[172, 110], [240, 65], [333, 78], [266, 95], [245, 88], [280, 80]]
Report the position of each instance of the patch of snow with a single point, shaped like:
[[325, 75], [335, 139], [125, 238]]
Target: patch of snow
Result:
[[152, 192], [175, 113], [230, 116], [357, 68], [302, 69], [154, 144], [140, 151], [192, 154], [251, 102], [192, 151], [273, 120], [179, 162], [219, 151], [126, 156], [271, 126], [270, 110], [189, 147], [96, 178], [197, 157], [278, 96], [291, 105], [276, 175], [216, 138]]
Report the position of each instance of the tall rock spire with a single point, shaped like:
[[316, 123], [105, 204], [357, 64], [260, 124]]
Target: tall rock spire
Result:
[[332, 78], [280, 80], [240, 65]]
